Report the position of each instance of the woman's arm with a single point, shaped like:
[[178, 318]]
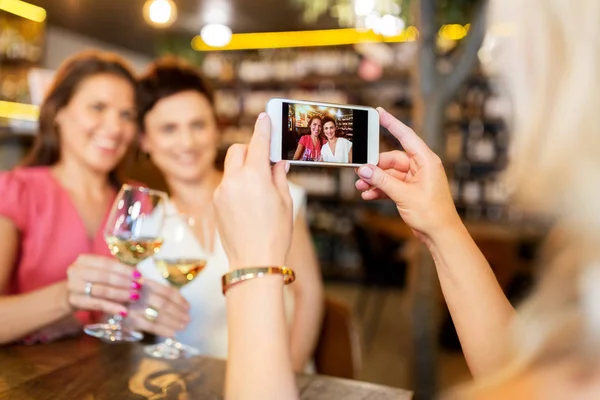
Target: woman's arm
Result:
[[416, 181], [255, 224], [308, 295], [25, 313], [299, 151], [480, 311], [259, 366], [350, 155]]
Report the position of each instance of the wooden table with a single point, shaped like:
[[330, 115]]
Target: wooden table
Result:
[[85, 368]]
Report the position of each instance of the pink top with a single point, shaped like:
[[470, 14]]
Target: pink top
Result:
[[310, 152], [52, 232]]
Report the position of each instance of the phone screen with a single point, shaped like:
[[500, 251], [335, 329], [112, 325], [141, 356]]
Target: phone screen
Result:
[[324, 134]]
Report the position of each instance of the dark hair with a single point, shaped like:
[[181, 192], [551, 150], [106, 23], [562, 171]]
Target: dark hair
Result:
[[46, 148], [327, 119], [164, 78]]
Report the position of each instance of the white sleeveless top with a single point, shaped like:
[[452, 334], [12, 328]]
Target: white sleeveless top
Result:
[[342, 148], [207, 330]]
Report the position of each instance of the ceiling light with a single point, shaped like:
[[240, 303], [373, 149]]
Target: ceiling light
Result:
[[23, 9], [363, 7], [160, 13], [372, 21], [390, 25], [216, 35]]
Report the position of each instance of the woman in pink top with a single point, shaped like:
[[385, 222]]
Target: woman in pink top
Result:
[[53, 210], [309, 146]]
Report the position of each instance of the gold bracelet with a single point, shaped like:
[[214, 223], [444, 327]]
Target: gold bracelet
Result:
[[243, 274]]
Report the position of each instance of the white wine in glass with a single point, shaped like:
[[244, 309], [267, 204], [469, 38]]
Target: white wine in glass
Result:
[[179, 264], [179, 271], [132, 233], [132, 251]]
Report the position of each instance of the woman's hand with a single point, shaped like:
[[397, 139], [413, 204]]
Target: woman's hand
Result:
[[253, 203], [110, 285], [172, 310], [414, 179], [115, 288]]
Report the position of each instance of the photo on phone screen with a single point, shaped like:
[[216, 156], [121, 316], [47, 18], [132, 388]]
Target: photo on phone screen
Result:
[[322, 133]]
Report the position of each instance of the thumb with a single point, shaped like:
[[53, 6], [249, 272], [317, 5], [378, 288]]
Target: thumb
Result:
[[280, 171], [378, 178]]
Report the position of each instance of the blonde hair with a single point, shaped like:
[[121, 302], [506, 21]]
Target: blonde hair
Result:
[[546, 54]]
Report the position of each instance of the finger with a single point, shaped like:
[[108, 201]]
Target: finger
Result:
[[362, 185], [111, 293], [103, 264], [84, 302], [235, 157], [409, 140], [396, 159], [79, 277], [377, 178], [374, 194], [280, 180], [163, 294], [170, 313], [260, 144]]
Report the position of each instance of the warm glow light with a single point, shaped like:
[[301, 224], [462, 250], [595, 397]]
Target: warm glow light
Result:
[[216, 35], [160, 13], [363, 7], [372, 21], [23, 9], [329, 37], [27, 112], [453, 32], [390, 25]]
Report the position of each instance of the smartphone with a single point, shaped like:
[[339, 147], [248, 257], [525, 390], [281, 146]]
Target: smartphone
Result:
[[324, 134]]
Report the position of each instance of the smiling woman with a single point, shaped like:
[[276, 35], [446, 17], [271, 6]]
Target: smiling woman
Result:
[[54, 262], [179, 132]]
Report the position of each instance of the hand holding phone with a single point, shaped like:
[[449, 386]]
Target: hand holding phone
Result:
[[313, 133]]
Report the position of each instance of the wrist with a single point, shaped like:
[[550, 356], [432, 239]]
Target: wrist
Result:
[[256, 261], [447, 233], [63, 294]]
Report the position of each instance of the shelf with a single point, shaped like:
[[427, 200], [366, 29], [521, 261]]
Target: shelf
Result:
[[310, 82], [17, 62]]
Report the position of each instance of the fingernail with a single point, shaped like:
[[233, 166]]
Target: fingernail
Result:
[[136, 285], [44, 339], [134, 296], [136, 274], [365, 172], [287, 167], [262, 115], [123, 313]]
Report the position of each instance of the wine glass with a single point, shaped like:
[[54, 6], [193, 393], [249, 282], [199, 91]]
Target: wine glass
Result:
[[179, 262], [132, 233]]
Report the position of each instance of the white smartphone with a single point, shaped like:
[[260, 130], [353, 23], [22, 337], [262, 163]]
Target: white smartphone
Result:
[[332, 135]]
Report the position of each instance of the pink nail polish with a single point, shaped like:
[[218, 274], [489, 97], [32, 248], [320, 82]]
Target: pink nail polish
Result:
[[134, 296], [44, 339], [123, 313], [136, 274], [262, 115], [136, 285]]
